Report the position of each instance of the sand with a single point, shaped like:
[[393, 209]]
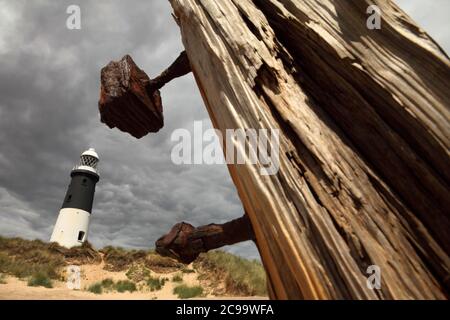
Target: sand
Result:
[[16, 289]]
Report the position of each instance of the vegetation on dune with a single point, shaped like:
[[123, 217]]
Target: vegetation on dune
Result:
[[155, 283], [24, 258], [96, 288], [108, 285], [186, 292], [242, 277], [84, 254], [119, 259], [161, 264], [40, 280], [125, 285], [41, 263], [177, 278], [138, 273]]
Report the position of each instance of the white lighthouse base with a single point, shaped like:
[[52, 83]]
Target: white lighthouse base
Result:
[[71, 228]]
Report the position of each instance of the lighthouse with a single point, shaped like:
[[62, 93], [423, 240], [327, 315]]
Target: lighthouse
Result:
[[71, 228]]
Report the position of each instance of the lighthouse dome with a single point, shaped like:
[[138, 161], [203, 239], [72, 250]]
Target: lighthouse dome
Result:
[[90, 152], [88, 161]]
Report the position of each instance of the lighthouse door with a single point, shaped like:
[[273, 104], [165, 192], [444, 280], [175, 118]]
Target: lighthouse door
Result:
[[81, 236]]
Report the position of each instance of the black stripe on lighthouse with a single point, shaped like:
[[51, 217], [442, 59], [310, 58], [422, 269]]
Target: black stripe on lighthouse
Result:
[[80, 194]]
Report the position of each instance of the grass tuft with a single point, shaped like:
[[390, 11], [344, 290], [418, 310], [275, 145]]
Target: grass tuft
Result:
[[96, 288], [155, 284], [177, 278], [125, 285], [186, 292], [40, 280], [108, 283]]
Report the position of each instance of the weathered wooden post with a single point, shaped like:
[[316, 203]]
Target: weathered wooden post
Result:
[[364, 140], [364, 116]]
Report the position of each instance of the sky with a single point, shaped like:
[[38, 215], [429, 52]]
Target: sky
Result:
[[49, 89]]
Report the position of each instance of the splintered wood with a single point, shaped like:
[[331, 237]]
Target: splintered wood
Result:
[[364, 126]]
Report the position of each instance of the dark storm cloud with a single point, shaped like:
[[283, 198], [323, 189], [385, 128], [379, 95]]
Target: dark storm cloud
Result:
[[49, 86]]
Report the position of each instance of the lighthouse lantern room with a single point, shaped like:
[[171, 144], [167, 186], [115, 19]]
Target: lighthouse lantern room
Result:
[[71, 228]]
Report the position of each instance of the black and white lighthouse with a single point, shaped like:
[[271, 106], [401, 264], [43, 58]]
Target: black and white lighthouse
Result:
[[71, 228]]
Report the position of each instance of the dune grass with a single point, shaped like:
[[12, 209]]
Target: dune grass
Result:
[[138, 273], [177, 278], [125, 285], [37, 261], [40, 280], [161, 264], [96, 288], [119, 259], [155, 283], [108, 285], [186, 292], [24, 258], [242, 277]]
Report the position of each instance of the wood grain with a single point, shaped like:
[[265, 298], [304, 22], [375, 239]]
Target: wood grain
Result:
[[364, 157]]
